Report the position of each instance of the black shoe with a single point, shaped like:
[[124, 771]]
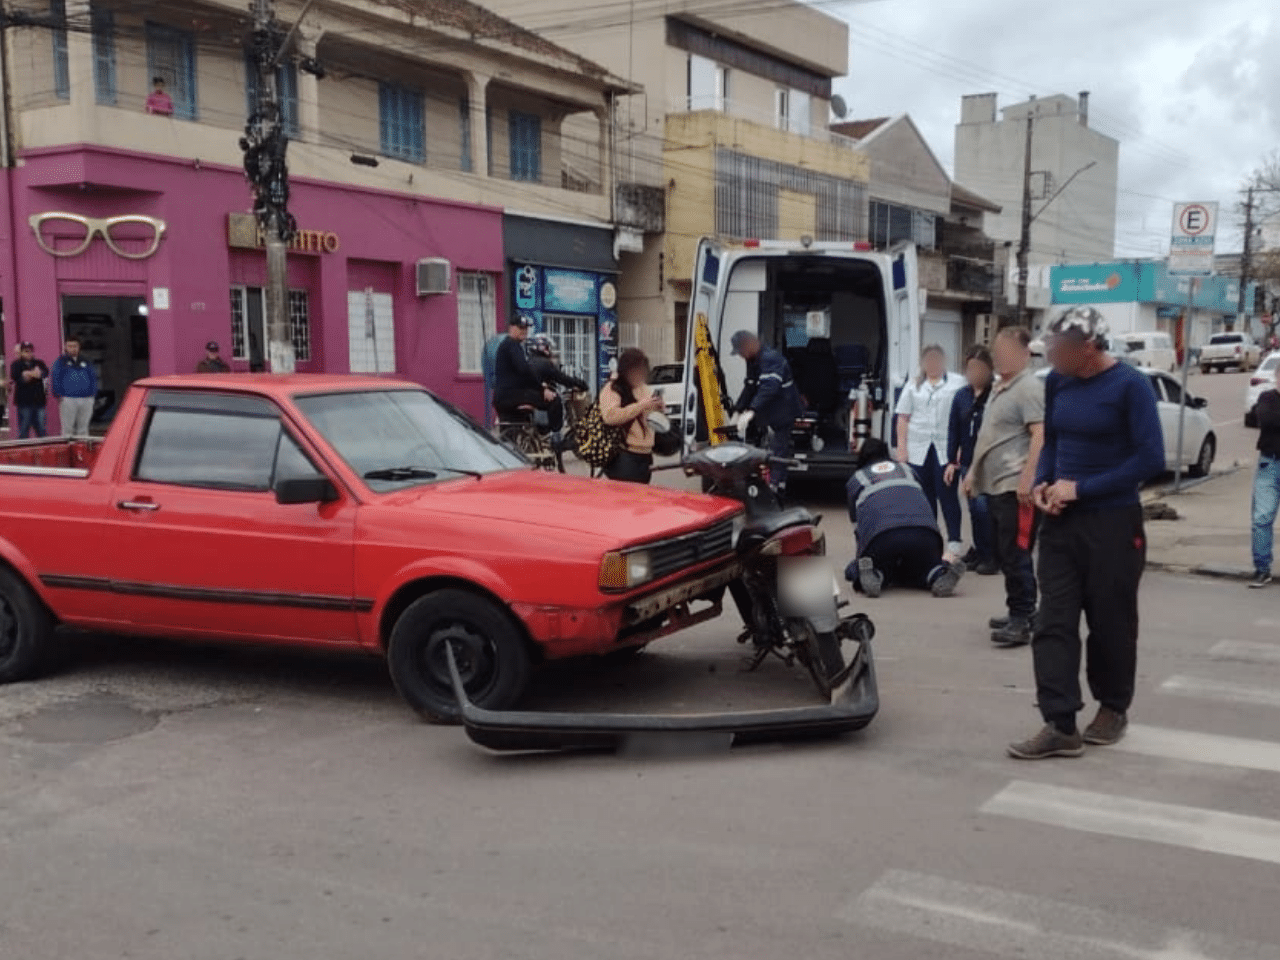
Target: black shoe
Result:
[[1107, 728], [944, 584], [971, 558], [999, 623], [1015, 633], [988, 568], [1049, 742], [1260, 579]]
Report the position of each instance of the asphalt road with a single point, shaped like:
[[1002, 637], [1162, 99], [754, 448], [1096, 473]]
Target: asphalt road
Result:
[[165, 801]]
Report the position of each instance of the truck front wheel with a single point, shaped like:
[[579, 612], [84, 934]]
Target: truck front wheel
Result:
[[487, 646], [26, 630]]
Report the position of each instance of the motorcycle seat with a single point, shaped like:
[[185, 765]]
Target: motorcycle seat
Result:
[[762, 528]]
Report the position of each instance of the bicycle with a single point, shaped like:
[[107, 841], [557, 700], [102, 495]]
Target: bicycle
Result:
[[526, 436]]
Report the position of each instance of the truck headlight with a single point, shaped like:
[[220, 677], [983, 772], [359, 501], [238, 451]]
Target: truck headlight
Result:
[[624, 569]]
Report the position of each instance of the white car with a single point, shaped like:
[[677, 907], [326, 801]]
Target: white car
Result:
[[1264, 378], [668, 380], [1199, 444], [1152, 349]]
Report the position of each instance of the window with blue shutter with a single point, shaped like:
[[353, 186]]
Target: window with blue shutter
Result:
[[104, 55], [402, 122], [171, 54], [286, 87], [61, 69], [526, 146]]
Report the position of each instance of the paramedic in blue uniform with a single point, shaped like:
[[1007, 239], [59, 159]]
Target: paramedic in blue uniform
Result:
[[769, 398], [898, 540]]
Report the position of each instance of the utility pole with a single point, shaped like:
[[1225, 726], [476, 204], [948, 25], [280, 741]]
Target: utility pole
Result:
[[264, 145], [1246, 256], [1024, 243]]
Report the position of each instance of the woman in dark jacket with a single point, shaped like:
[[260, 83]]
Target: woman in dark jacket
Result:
[[967, 408]]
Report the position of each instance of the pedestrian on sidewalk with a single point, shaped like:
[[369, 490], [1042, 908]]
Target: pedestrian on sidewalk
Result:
[[1102, 442], [30, 379], [213, 362], [924, 415], [1266, 483], [967, 409], [74, 381], [1005, 459]]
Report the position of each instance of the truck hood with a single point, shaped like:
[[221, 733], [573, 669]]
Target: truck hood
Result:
[[616, 513]]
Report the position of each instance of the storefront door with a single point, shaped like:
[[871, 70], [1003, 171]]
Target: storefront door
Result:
[[113, 337], [575, 339]]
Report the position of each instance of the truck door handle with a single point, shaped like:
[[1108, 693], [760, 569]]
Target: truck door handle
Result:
[[137, 505]]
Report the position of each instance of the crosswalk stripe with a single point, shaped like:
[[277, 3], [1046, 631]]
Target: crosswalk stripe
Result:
[[1244, 650], [1002, 923], [1222, 690], [1195, 828], [1201, 748]]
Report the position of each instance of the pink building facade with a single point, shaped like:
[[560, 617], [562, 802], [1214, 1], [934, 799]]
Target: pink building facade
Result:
[[184, 267]]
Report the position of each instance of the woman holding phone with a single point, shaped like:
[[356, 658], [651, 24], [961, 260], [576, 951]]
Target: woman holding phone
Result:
[[627, 402]]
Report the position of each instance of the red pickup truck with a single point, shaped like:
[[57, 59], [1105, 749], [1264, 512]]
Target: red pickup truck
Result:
[[342, 512]]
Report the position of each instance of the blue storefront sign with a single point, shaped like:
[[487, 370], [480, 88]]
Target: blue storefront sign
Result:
[[1140, 281], [567, 304], [1095, 283]]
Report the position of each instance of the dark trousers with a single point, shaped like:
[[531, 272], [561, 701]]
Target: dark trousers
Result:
[[929, 474], [631, 467], [982, 525], [1015, 562], [780, 446], [906, 556], [1091, 562], [32, 420]]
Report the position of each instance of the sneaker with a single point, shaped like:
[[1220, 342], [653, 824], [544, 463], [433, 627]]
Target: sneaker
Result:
[[999, 623], [870, 579], [1049, 742], [1260, 579], [1107, 728], [944, 584], [1015, 633]]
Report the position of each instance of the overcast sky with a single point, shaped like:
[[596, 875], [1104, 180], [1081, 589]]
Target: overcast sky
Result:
[[1190, 88]]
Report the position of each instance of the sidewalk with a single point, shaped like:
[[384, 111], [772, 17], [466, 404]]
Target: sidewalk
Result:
[[1211, 535]]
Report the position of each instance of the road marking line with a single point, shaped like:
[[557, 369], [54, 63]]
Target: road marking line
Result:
[[1006, 924], [1244, 650], [1201, 748], [1194, 828], [1222, 690]]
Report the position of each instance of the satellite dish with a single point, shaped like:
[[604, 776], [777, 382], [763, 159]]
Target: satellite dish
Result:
[[839, 107]]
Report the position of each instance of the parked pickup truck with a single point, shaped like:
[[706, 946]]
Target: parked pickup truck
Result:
[[342, 512], [1227, 350]]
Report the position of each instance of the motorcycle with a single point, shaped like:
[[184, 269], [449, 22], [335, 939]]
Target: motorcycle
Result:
[[786, 594]]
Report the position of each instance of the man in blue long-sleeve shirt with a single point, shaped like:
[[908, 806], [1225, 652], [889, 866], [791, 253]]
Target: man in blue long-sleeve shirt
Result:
[[1102, 441], [74, 382]]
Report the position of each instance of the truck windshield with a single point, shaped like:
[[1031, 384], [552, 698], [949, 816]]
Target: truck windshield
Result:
[[404, 437]]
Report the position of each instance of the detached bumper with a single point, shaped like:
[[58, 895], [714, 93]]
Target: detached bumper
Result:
[[853, 705]]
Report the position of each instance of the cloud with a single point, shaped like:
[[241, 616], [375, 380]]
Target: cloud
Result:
[[1190, 89]]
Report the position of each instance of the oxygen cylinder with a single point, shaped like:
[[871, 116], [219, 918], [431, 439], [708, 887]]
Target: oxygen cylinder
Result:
[[859, 417]]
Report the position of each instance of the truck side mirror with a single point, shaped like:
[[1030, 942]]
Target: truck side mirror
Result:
[[298, 490]]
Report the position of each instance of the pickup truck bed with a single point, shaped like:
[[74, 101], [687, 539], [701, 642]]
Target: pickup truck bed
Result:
[[54, 453]]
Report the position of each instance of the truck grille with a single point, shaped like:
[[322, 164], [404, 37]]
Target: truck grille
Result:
[[670, 556]]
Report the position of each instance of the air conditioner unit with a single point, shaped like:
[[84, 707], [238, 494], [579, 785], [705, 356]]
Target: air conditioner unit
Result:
[[433, 276]]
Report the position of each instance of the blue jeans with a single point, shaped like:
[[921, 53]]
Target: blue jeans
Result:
[[1266, 501], [929, 474], [983, 535], [32, 419]]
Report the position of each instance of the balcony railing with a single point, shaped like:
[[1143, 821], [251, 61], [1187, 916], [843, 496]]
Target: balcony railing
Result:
[[763, 116]]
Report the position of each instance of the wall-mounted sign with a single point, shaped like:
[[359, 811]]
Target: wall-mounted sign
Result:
[[160, 298], [608, 295], [133, 236], [571, 291], [244, 233]]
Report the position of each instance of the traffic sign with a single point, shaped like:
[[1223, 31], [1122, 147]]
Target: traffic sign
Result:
[[1191, 246]]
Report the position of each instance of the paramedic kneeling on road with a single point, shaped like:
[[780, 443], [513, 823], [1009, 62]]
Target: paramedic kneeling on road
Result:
[[898, 540], [770, 397]]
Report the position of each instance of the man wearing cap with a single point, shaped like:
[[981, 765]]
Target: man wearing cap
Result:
[[515, 384], [212, 362], [29, 377], [769, 397], [1102, 441]]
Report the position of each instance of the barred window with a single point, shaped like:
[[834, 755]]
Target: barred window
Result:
[[300, 324], [477, 307]]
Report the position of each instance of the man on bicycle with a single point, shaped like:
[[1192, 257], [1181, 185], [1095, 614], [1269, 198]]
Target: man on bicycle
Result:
[[515, 384], [541, 350]]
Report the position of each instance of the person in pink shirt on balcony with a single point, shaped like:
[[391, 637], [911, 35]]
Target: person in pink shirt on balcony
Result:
[[158, 101]]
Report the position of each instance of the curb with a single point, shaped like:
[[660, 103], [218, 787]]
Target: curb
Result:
[[1213, 571], [1150, 496]]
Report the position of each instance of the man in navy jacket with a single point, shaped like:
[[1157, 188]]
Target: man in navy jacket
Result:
[[1102, 441], [770, 397]]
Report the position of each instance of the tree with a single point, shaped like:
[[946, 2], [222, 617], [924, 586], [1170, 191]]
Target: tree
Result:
[[1263, 262]]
